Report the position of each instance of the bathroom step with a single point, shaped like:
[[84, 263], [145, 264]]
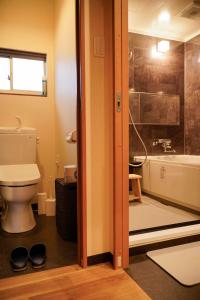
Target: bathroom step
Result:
[[163, 235]]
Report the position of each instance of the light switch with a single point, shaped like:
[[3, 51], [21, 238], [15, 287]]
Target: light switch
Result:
[[99, 46]]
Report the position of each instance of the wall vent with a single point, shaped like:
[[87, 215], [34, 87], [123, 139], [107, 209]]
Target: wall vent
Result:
[[191, 11]]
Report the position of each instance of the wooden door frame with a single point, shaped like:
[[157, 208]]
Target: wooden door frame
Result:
[[125, 135], [81, 134], [121, 136]]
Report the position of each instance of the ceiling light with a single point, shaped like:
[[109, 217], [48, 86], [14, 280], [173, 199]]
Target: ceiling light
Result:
[[163, 46], [164, 16]]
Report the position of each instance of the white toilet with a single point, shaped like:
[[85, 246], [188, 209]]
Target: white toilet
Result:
[[19, 177]]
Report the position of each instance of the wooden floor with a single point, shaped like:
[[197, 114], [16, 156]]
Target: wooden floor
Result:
[[96, 282]]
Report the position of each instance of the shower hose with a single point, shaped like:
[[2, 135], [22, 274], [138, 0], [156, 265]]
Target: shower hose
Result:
[[142, 142]]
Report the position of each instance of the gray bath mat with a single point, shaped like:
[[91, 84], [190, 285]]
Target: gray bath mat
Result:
[[182, 262], [151, 213]]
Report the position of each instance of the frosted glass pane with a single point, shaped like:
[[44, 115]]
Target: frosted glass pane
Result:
[[4, 73], [27, 74]]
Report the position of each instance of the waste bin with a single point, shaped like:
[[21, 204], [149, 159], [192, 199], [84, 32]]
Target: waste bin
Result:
[[66, 209]]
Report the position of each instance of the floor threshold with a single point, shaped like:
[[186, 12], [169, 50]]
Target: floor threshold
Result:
[[163, 235]]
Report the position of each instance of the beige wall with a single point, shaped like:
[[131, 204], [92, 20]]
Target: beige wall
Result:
[[65, 81], [28, 25], [38, 25], [46, 26], [99, 120]]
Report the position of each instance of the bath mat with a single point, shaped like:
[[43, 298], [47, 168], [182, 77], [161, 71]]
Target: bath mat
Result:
[[151, 213], [181, 262]]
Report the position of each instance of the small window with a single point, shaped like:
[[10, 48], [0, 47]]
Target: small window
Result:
[[22, 72]]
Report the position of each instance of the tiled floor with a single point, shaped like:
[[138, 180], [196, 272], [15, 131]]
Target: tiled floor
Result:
[[157, 283], [59, 252], [151, 213]]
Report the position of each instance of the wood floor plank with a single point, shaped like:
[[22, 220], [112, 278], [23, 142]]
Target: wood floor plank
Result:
[[97, 282], [114, 287], [37, 276]]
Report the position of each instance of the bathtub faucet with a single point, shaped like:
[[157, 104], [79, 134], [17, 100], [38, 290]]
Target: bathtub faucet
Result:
[[165, 143]]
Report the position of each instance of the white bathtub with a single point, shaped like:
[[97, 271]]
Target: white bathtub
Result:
[[173, 177]]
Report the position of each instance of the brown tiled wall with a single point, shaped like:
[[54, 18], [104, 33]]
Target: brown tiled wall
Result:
[[152, 76], [144, 108], [192, 96]]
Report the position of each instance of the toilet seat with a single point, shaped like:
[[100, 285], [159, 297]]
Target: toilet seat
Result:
[[19, 175]]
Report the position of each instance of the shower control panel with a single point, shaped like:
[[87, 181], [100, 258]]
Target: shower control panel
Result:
[[165, 143]]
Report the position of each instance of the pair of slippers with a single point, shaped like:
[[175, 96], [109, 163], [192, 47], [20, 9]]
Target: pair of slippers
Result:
[[20, 256]]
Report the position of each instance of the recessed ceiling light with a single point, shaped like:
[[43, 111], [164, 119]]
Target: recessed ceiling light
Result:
[[163, 46], [164, 16]]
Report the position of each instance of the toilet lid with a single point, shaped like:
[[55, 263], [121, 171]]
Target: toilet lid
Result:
[[19, 175]]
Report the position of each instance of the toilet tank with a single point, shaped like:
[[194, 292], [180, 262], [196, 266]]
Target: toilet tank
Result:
[[17, 146]]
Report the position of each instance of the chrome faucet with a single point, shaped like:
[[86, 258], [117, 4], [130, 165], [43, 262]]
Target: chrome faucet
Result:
[[165, 143]]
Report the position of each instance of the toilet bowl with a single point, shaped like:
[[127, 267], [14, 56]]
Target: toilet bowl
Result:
[[18, 186], [19, 177]]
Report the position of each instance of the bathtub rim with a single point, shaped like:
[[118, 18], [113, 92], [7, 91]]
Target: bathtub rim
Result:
[[163, 159]]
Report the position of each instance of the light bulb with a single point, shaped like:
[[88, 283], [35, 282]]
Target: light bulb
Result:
[[155, 53], [163, 46], [164, 16]]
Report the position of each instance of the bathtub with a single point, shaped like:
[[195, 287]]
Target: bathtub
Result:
[[175, 178]]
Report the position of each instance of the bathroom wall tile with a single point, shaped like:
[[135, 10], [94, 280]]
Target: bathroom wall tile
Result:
[[192, 96], [150, 75], [155, 109], [160, 109], [134, 105]]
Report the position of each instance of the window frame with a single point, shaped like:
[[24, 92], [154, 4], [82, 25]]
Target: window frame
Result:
[[10, 54]]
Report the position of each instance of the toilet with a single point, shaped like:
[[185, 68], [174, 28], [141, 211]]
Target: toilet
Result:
[[19, 178]]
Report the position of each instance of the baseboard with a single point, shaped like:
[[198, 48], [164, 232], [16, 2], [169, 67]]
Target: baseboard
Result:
[[100, 258], [164, 227], [34, 207], [34, 201], [159, 245], [172, 203]]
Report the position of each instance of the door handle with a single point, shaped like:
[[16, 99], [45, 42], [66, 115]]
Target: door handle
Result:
[[118, 100]]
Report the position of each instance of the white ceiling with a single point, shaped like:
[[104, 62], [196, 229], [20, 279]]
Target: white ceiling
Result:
[[143, 18]]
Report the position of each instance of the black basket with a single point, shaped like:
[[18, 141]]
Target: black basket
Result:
[[66, 209]]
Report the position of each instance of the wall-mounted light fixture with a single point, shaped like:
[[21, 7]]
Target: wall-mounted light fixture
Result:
[[164, 16], [159, 50], [155, 53], [163, 46]]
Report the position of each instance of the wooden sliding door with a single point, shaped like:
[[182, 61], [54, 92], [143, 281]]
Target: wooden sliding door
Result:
[[121, 141], [119, 96]]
